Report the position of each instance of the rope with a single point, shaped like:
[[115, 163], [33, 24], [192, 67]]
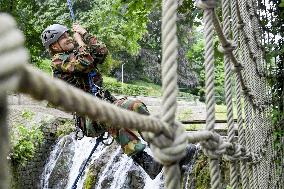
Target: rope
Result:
[[10, 44], [228, 92], [164, 153], [241, 134], [71, 10], [208, 9]]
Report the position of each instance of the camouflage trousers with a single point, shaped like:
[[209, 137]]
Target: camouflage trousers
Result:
[[128, 139]]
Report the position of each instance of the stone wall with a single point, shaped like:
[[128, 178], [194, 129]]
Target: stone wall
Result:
[[50, 121], [29, 176]]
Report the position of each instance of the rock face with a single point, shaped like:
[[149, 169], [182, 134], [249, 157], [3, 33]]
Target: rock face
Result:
[[28, 175], [114, 170], [59, 174]]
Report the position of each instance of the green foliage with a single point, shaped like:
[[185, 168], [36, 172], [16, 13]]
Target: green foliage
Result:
[[23, 142], [196, 57], [44, 65], [28, 115], [90, 180], [65, 127], [108, 65], [201, 172], [130, 89]]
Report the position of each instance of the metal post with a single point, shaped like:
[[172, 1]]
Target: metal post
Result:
[[122, 77], [3, 141]]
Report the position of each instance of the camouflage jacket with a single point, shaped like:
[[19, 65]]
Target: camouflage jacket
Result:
[[74, 66]]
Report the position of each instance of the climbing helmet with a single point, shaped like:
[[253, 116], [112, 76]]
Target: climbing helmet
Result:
[[52, 33]]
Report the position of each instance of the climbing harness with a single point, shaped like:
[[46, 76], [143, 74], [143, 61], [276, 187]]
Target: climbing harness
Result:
[[71, 10], [98, 141], [98, 91]]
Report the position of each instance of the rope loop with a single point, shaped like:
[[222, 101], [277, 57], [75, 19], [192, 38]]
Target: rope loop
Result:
[[234, 152], [241, 25], [206, 4], [168, 151]]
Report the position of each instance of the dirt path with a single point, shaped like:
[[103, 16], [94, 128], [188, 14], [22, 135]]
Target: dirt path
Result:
[[186, 110]]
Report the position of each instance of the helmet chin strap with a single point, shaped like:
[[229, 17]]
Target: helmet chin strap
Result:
[[60, 46]]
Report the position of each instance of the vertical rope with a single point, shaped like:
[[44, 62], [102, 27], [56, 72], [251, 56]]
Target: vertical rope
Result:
[[241, 131], [208, 7], [209, 86], [3, 141], [169, 78], [248, 133], [245, 58], [228, 91]]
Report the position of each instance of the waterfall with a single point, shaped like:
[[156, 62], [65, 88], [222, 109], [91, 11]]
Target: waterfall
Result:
[[84, 145], [80, 151], [188, 179], [113, 169], [51, 162]]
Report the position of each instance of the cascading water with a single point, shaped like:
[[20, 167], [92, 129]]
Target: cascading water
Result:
[[78, 152], [188, 179], [112, 169]]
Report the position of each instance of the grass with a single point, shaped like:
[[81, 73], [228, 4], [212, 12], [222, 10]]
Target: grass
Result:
[[185, 115], [193, 127], [221, 112], [136, 88]]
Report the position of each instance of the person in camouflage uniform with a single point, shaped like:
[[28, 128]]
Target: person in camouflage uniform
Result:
[[75, 61]]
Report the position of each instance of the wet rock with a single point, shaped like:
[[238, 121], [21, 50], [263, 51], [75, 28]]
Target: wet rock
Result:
[[59, 175]]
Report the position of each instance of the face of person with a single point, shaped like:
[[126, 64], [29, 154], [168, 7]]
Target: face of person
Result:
[[64, 43]]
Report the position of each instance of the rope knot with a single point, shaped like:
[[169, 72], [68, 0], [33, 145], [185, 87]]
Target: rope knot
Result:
[[206, 4], [241, 25], [234, 152], [228, 48], [214, 147], [168, 151]]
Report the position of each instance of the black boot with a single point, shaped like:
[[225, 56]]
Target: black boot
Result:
[[153, 168], [147, 162]]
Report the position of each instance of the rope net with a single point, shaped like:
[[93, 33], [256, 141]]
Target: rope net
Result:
[[251, 155]]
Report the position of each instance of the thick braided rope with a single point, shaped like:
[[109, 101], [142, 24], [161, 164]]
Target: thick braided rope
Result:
[[248, 137], [208, 7], [241, 131], [254, 91], [4, 141], [170, 154], [228, 91], [8, 48]]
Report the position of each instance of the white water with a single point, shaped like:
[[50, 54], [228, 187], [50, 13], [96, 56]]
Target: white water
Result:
[[108, 167], [54, 155], [83, 149], [115, 171]]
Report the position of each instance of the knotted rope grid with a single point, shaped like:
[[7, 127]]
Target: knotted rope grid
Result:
[[167, 137]]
